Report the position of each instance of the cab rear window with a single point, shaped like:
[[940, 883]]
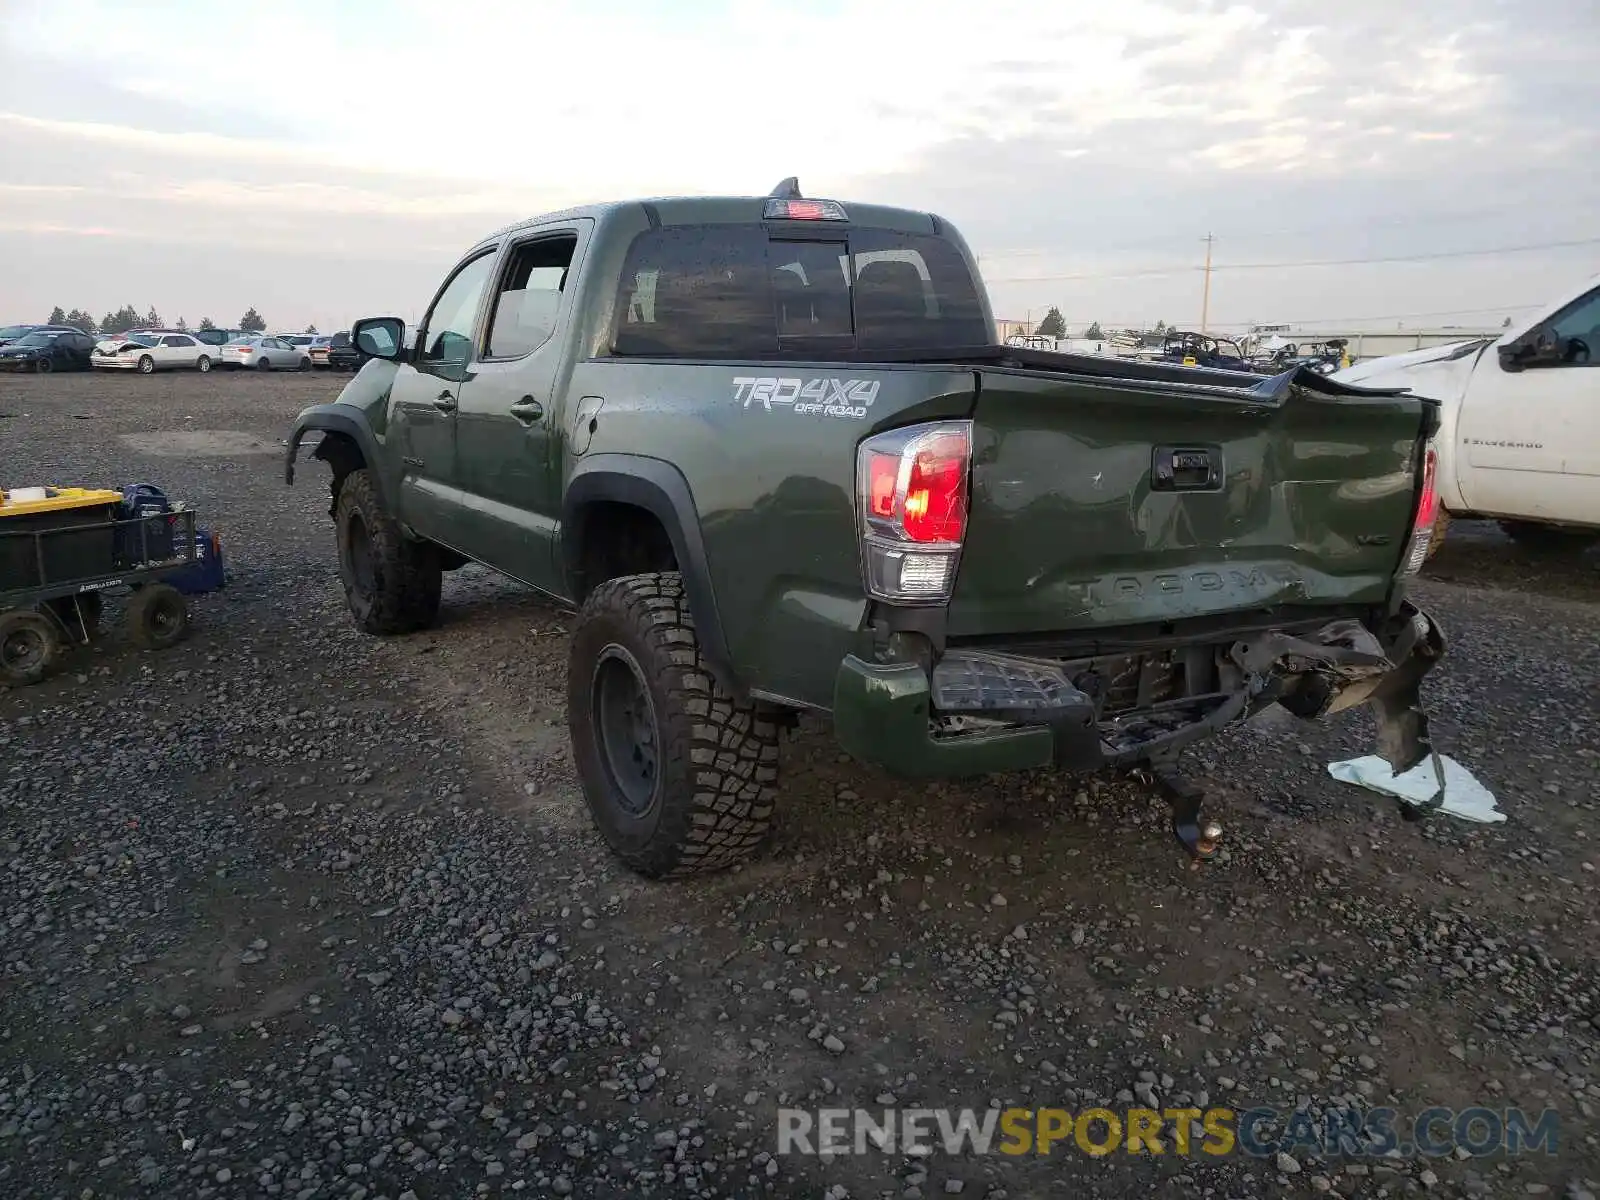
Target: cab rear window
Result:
[[736, 291]]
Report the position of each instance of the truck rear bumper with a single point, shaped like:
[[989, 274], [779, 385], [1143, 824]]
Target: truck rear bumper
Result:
[[979, 712]]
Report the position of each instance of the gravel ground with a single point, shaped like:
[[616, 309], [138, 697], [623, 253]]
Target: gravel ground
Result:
[[293, 912]]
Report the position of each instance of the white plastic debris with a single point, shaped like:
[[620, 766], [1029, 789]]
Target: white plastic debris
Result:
[[1464, 796]]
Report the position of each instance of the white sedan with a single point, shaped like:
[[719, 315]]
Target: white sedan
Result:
[[264, 354], [148, 353]]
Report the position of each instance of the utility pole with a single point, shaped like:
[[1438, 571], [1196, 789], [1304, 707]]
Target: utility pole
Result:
[[1205, 295]]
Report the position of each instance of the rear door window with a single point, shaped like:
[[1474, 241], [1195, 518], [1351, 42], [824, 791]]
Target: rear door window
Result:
[[697, 291], [736, 291]]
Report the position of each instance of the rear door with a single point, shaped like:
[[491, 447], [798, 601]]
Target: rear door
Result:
[[1098, 502], [507, 439], [172, 351]]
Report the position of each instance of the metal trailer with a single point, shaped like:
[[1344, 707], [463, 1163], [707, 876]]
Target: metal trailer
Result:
[[54, 574]]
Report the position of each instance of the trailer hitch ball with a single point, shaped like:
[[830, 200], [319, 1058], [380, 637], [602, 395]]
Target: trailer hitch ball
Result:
[[1199, 837]]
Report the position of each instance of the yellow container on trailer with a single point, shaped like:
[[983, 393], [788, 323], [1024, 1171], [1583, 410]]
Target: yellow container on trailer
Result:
[[35, 501], [53, 536]]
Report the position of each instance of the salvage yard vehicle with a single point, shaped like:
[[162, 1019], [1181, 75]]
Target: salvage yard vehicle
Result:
[[148, 353], [48, 348], [264, 354], [1200, 350], [1519, 438], [767, 448]]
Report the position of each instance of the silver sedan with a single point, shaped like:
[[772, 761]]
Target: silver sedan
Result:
[[264, 354]]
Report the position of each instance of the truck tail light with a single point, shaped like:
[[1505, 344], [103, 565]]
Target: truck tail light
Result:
[[912, 495], [1427, 513]]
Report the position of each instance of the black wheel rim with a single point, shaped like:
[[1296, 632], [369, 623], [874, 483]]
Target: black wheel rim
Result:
[[625, 721], [165, 618], [46, 366], [23, 650], [359, 543]]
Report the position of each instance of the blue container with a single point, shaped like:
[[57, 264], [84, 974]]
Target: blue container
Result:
[[208, 572], [154, 539]]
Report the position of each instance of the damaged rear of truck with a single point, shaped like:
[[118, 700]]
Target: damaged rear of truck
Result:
[[766, 448], [1140, 556]]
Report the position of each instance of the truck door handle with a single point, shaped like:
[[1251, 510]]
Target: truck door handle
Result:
[[527, 410], [445, 402]]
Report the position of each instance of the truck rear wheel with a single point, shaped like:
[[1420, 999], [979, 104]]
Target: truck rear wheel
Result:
[[391, 582], [1549, 539], [680, 777]]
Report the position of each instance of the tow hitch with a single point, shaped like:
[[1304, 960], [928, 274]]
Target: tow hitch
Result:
[[1195, 833]]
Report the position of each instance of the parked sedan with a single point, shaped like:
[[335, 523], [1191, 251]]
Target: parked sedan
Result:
[[12, 333], [151, 352], [48, 349], [318, 350], [265, 354]]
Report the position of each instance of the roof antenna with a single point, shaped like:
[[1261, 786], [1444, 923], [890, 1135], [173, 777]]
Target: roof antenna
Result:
[[789, 189]]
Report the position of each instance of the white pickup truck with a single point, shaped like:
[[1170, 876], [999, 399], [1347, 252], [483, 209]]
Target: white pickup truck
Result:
[[1520, 434]]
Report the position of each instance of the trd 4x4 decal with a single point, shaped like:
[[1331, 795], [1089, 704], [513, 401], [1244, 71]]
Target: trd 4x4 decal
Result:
[[830, 397]]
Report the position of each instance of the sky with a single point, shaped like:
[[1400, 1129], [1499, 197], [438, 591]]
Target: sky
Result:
[[325, 161]]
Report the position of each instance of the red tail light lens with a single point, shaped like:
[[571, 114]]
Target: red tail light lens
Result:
[[912, 486], [1427, 514], [883, 478], [936, 493], [1428, 500]]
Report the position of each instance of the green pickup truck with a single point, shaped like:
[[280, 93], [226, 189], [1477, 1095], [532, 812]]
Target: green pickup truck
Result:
[[769, 450]]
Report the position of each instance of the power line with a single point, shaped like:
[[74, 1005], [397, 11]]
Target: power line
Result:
[[1317, 262], [1366, 224], [1409, 258]]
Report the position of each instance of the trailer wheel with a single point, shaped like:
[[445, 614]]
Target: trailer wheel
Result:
[[28, 645], [158, 616]]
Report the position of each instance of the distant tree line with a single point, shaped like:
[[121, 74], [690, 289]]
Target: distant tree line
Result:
[[127, 317], [1055, 325]]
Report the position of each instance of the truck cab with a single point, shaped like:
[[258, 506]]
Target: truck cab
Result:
[[1519, 437]]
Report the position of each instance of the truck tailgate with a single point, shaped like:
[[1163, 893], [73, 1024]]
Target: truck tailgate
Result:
[[1099, 503]]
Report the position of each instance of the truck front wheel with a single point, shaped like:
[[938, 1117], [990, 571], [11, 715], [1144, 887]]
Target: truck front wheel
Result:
[[391, 582], [680, 777], [1549, 539]]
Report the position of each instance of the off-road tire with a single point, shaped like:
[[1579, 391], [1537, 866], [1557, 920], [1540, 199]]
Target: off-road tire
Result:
[[717, 758], [28, 646], [157, 616], [400, 592]]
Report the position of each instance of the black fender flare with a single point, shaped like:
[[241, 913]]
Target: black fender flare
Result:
[[340, 419], [660, 489]]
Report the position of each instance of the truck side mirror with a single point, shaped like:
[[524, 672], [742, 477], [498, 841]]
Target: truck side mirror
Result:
[[1511, 356], [379, 337]]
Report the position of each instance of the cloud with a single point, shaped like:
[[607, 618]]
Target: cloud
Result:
[[1099, 141]]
